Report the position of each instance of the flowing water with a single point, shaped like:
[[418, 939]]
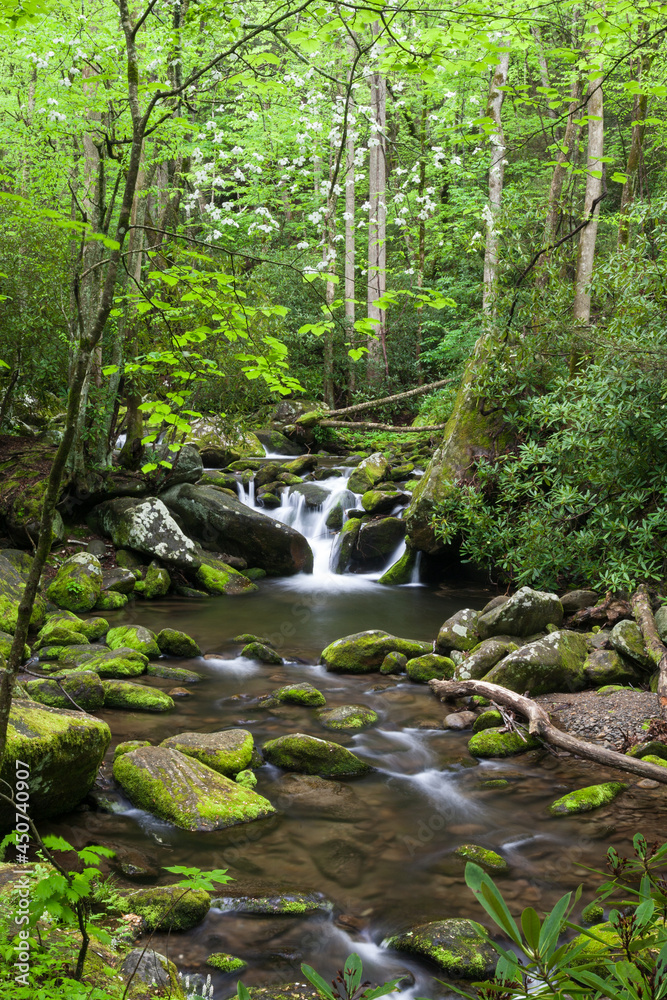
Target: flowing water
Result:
[[388, 862]]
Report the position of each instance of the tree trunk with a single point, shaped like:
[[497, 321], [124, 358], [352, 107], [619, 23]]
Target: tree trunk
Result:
[[349, 235], [639, 109], [560, 169], [657, 651], [377, 352], [496, 179]]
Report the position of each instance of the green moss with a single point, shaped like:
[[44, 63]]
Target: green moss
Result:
[[111, 601], [171, 642], [401, 571], [128, 746], [58, 631], [156, 583], [309, 755], [652, 758], [258, 651], [218, 578], [431, 666], [83, 686], [223, 962], [495, 783], [487, 720], [226, 752], [134, 637], [294, 694], [254, 573], [482, 856], [457, 945], [587, 799], [347, 717], [655, 748], [285, 904], [176, 674], [247, 778], [593, 913], [6, 643], [169, 907], [496, 743], [135, 697], [94, 628], [116, 663], [77, 585], [363, 652]]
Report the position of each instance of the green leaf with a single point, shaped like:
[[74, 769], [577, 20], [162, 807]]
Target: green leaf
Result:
[[488, 895], [352, 971], [322, 987], [531, 926]]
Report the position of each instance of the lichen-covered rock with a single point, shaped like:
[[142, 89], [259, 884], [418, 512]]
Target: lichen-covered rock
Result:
[[363, 652], [62, 749], [626, 639], [498, 743], [378, 539], [347, 717], [166, 907], [135, 697], [310, 755], [527, 612], [491, 719], [171, 642], [394, 663], [606, 666], [77, 585], [225, 522], [174, 674], [185, 792], [226, 752], [587, 799], [224, 962], [345, 544], [261, 652], [294, 694], [134, 637], [460, 947], [430, 666], [483, 657], [459, 632], [555, 663], [118, 580], [482, 856], [370, 471], [83, 686], [146, 526]]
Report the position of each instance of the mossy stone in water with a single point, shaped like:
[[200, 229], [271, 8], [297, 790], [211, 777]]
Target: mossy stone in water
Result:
[[401, 571], [552, 663], [109, 663], [246, 637], [226, 752], [587, 799], [217, 577], [94, 628], [185, 792], [175, 674], [134, 637], [458, 946], [495, 783], [394, 663], [223, 962], [430, 667], [487, 720], [497, 743], [347, 717], [459, 632], [310, 755], [294, 694], [256, 572], [286, 904], [135, 697], [654, 748], [482, 856], [247, 778], [83, 686], [111, 601], [60, 632], [259, 651], [77, 585], [128, 746], [171, 642], [652, 758], [593, 913], [166, 907], [364, 652]]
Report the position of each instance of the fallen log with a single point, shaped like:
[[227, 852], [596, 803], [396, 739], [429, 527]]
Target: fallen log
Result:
[[539, 724], [655, 647], [365, 426], [370, 403]]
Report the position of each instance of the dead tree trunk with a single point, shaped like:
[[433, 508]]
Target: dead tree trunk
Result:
[[656, 649]]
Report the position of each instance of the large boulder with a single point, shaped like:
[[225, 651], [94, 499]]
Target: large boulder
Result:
[[363, 652], [61, 749], [378, 539], [224, 523], [499, 742], [84, 687], [526, 613], [626, 638], [185, 792], [459, 632], [555, 663], [276, 443], [135, 697], [216, 576], [220, 443], [483, 657], [460, 947], [370, 471], [310, 755], [226, 752], [187, 467], [145, 526], [606, 666], [77, 585]]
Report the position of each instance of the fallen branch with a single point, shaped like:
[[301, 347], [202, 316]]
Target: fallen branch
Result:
[[358, 407], [655, 647], [365, 426], [539, 724]]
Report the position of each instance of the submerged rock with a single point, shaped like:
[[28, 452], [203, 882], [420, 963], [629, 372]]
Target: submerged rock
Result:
[[226, 752], [310, 795], [525, 613], [498, 743], [342, 861], [555, 663], [77, 585], [347, 717], [458, 946], [587, 799], [173, 674], [62, 750], [185, 792], [310, 755], [364, 652]]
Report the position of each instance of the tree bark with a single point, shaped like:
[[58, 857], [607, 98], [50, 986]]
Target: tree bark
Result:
[[496, 180], [350, 193], [377, 229], [640, 105], [657, 651], [539, 724], [366, 426]]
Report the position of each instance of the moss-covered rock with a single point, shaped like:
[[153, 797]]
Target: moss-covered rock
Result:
[[626, 638], [145, 526], [111, 601], [294, 694], [310, 755], [226, 752], [62, 749], [83, 686], [487, 720], [587, 799], [155, 584], [555, 663], [458, 946], [497, 743], [377, 502], [347, 717], [247, 778], [166, 907], [12, 586], [652, 758], [135, 697], [77, 586], [58, 631], [94, 628], [378, 539], [527, 612], [370, 471], [607, 666], [6, 643], [394, 663], [285, 904], [482, 856], [593, 913], [177, 675], [128, 746], [653, 747], [401, 571], [171, 642], [459, 632], [147, 971], [118, 580], [224, 962], [261, 652], [108, 663], [428, 667], [217, 577], [134, 637], [185, 792], [345, 544], [363, 652]]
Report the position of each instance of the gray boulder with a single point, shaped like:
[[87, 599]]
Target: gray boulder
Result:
[[459, 632], [145, 526], [606, 666], [527, 612], [555, 663], [483, 658], [187, 468], [313, 494], [378, 539], [576, 600], [626, 638]]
